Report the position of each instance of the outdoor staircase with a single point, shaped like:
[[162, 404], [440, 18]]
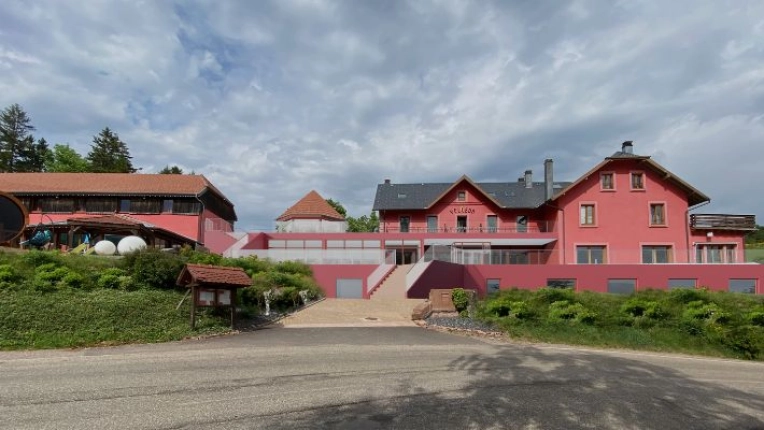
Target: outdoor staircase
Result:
[[394, 284]]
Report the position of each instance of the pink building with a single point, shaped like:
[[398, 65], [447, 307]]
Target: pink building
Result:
[[626, 224], [177, 208]]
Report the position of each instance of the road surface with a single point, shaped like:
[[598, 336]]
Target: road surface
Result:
[[372, 378]]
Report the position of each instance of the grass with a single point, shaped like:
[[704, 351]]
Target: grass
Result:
[[685, 321], [50, 299], [75, 318], [754, 255]]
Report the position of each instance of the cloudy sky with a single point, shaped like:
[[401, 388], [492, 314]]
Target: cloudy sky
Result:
[[272, 99]]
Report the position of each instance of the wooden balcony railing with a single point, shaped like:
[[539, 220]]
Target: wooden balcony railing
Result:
[[723, 222]]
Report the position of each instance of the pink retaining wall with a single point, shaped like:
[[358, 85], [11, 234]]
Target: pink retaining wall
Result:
[[326, 276], [587, 277]]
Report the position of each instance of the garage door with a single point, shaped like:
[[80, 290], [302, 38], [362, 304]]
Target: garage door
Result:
[[349, 288]]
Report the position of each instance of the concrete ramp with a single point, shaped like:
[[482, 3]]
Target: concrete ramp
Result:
[[354, 313]]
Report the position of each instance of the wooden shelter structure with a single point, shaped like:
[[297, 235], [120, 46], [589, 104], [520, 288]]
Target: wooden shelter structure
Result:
[[72, 231], [213, 286]]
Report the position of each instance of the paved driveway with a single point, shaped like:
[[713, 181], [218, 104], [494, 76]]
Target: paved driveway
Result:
[[373, 378], [354, 313]]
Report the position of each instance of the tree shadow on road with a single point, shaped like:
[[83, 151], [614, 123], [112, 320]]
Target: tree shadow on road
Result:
[[532, 387]]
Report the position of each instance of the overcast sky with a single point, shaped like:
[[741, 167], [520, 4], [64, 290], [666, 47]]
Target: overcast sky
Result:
[[272, 99]]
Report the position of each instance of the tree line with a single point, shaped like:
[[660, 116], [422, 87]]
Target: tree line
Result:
[[364, 223], [21, 152]]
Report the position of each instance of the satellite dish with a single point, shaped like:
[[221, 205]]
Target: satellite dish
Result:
[[13, 218]]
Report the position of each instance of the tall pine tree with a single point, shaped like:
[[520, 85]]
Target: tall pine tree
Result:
[[32, 156], [108, 154], [17, 144]]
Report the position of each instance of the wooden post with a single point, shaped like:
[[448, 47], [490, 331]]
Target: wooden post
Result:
[[193, 306], [233, 308]]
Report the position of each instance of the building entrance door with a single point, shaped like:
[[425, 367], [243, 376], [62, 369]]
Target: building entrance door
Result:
[[461, 224], [406, 256]]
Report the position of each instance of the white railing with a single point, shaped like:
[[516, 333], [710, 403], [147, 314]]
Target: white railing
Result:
[[415, 272], [319, 256], [376, 277]]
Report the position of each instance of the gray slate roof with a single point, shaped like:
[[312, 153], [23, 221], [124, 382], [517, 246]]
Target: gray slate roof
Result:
[[511, 195]]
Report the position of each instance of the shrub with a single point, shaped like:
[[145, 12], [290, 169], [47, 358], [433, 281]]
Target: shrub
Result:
[[49, 277], [642, 308], [552, 295], [688, 295], [460, 299], [565, 311], [756, 318], [252, 265], [499, 307], [294, 267], [114, 279], [8, 277], [746, 340], [152, 268], [72, 280], [708, 312], [35, 258]]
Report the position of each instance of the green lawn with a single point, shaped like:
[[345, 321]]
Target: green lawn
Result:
[[754, 255]]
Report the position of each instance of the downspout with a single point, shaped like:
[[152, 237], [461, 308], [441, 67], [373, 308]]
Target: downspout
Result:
[[687, 227], [200, 223]]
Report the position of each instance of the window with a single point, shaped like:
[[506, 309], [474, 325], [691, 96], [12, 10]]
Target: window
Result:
[[57, 205], [587, 215], [432, 223], [746, 286], [621, 286], [101, 205], [590, 254], [681, 283], [637, 181], [404, 222], [167, 206], [492, 285], [461, 196], [656, 254], [401, 195], [28, 203], [716, 253], [493, 223], [148, 206], [124, 205], [522, 224], [186, 207], [461, 224], [657, 214], [561, 283], [606, 181]]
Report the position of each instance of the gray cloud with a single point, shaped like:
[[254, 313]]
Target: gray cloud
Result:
[[273, 99]]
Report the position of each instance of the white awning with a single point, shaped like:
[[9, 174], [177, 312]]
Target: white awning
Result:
[[492, 242]]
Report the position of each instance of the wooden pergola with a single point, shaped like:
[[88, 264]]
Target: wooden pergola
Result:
[[213, 286]]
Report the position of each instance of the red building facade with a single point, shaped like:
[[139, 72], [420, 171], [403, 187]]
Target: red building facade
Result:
[[626, 224], [188, 206]]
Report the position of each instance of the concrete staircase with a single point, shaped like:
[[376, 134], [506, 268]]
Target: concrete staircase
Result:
[[394, 285]]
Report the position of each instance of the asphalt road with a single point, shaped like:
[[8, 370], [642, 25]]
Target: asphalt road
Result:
[[372, 378]]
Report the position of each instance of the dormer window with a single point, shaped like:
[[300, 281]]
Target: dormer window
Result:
[[461, 196], [637, 181], [401, 195]]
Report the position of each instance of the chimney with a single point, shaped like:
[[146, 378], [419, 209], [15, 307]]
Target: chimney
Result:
[[627, 147], [548, 179], [387, 181], [528, 179], [521, 179]]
